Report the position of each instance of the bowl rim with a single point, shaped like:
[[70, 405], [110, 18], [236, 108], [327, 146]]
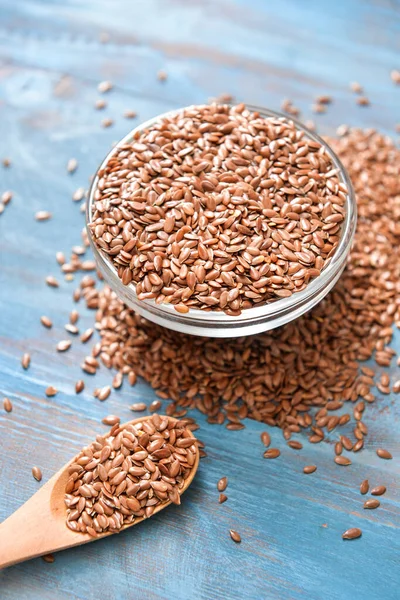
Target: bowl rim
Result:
[[264, 311]]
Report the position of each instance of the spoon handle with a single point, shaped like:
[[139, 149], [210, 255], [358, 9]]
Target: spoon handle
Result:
[[37, 527]]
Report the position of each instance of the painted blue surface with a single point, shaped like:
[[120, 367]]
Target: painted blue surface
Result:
[[50, 63]]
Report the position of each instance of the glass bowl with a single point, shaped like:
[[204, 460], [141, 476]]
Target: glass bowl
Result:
[[252, 320]]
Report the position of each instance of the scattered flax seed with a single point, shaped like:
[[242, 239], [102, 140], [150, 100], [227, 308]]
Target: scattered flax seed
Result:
[[43, 215], [60, 258], [372, 503], [110, 420], [86, 335], [79, 386], [117, 381], [26, 360], [48, 558], [287, 106], [72, 165], [162, 75], [155, 406], [73, 316], [309, 469], [46, 322], [104, 86], [104, 393], [352, 534], [222, 498], [323, 99], [7, 405], [127, 473], [52, 281], [6, 197], [396, 387], [347, 443], [395, 76], [222, 484], [37, 473], [138, 407], [107, 122], [343, 461], [272, 453], [356, 87], [310, 125], [363, 101], [295, 444], [358, 445], [364, 487], [63, 345], [6, 162], [51, 391], [71, 328], [130, 114], [379, 490], [338, 448], [266, 438], [78, 194], [382, 453], [235, 536]]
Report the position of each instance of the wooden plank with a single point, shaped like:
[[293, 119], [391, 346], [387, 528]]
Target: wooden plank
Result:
[[51, 62]]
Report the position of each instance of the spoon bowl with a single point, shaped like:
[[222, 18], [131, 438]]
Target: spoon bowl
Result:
[[39, 527]]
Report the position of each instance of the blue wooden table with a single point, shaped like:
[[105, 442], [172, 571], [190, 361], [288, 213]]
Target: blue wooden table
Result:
[[51, 60]]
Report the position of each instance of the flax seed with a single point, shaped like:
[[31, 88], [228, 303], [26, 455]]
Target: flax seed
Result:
[[100, 104], [72, 165], [51, 391], [342, 460], [104, 86], [129, 114], [86, 335], [352, 534], [26, 360], [110, 420], [371, 503], [138, 407], [6, 197], [235, 536], [37, 473], [79, 386], [364, 487], [266, 438], [7, 405], [382, 453], [309, 469], [272, 453], [52, 281], [379, 490], [48, 558], [46, 322], [43, 215], [155, 406], [222, 498], [222, 484], [295, 444], [63, 345]]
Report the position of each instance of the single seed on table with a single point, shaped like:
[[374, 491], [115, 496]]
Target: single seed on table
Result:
[[162, 75], [104, 393], [79, 386], [60, 258], [43, 215], [86, 335], [396, 387], [378, 490], [338, 448], [7, 404], [363, 101], [37, 473], [318, 108], [309, 469], [117, 381], [78, 194], [356, 87], [100, 104], [373, 503], [107, 122], [155, 406], [46, 322], [6, 197], [265, 438], [342, 460], [63, 345], [26, 360], [71, 328], [352, 534], [235, 536], [52, 281], [222, 498], [358, 445], [138, 407], [295, 444], [364, 487], [347, 443], [222, 484], [73, 316], [72, 165], [272, 453], [382, 453], [110, 420], [6, 162], [129, 114], [323, 99], [104, 86], [51, 391], [48, 558]]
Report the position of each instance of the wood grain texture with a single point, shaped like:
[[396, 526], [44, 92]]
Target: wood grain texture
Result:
[[50, 63]]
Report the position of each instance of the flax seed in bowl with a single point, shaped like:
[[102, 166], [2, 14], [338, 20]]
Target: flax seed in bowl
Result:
[[221, 220]]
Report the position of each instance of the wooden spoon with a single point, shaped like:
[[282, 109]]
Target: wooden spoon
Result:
[[39, 526]]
